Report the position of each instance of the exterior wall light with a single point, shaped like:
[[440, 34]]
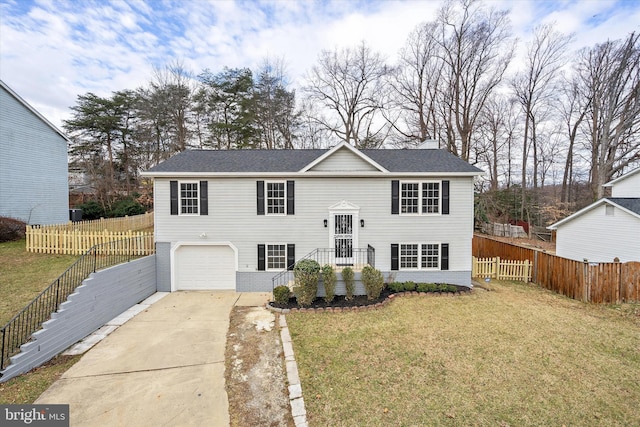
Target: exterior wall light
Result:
[[325, 223], [362, 223]]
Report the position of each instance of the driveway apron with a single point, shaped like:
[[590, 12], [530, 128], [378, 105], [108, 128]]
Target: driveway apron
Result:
[[164, 367]]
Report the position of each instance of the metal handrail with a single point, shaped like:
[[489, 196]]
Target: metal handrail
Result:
[[19, 329], [359, 257]]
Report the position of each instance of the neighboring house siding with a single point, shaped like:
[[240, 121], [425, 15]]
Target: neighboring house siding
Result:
[[232, 217], [629, 187], [598, 237], [33, 166]]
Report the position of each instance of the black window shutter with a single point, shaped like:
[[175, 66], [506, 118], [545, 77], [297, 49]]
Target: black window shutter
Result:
[[291, 256], [444, 256], [394, 256], [261, 258], [291, 205], [395, 197], [204, 197], [173, 190], [260, 190], [445, 197]]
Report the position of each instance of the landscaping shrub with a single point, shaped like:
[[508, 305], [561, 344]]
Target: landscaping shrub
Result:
[[409, 286], [11, 229], [281, 294], [432, 287], [443, 287], [329, 282], [92, 210], [349, 282], [453, 288], [306, 273], [373, 282], [126, 207], [422, 287], [396, 286]]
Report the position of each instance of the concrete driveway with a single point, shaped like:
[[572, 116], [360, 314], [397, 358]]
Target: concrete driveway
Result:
[[164, 367]]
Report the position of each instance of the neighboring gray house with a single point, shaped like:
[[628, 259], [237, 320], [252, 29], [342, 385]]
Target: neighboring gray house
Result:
[[235, 219], [606, 229], [33, 164]]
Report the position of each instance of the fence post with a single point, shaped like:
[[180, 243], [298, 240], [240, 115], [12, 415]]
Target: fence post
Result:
[[535, 267], [4, 332], [496, 267], [585, 285]]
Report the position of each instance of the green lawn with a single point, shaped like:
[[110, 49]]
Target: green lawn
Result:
[[512, 356], [23, 275]]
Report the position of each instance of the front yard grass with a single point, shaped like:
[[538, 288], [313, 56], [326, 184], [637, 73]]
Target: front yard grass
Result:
[[513, 355], [23, 275]]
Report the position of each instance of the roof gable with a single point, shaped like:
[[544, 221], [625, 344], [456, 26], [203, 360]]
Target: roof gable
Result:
[[630, 205], [342, 158], [622, 177]]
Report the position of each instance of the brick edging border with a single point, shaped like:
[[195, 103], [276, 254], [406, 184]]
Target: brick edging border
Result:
[[365, 307]]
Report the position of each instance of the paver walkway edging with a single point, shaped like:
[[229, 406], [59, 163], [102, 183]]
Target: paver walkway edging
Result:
[[296, 400]]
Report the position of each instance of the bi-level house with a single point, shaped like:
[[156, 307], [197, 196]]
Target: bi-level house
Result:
[[606, 229], [236, 219]]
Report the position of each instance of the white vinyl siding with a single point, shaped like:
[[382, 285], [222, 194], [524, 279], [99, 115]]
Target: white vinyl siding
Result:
[[343, 160], [599, 237], [234, 218], [627, 187]]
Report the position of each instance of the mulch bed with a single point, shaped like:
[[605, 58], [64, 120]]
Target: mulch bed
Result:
[[358, 301]]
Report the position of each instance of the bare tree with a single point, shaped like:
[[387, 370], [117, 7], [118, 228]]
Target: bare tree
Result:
[[497, 129], [414, 87], [476, 47], [349, 84], [533, 87], [610, 75]]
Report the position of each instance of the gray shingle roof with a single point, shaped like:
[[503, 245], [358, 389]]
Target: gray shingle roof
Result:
[[631, 203], [220, 161]]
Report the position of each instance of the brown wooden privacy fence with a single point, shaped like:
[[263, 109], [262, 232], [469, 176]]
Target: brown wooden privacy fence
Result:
[[501, 269], [598, 283], [75, 242]]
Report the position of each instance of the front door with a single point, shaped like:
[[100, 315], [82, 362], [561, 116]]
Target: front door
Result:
[[343, 238]]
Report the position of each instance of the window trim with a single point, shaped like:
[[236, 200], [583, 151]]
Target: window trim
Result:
[[267, 257], [266, 198], [197, 198], [421, 204], [419, 263]]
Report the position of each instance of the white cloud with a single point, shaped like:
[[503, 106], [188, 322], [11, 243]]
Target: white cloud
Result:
[[53, 51]]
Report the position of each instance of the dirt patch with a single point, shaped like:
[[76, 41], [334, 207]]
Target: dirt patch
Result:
[[256, 379], [549, 247]]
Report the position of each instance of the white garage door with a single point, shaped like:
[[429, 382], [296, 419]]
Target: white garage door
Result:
[[203, 267]]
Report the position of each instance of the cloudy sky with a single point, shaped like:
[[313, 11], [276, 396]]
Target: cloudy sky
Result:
[[52, 51]]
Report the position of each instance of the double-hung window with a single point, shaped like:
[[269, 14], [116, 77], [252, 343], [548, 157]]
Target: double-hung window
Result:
[[189, 198], [419, 256], [276, 256], [410, 197], [430, 197], [409, 256], [420, 197], [276, 198]]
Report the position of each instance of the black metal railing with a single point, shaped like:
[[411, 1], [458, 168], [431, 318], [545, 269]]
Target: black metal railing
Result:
[[30, 319], [355, 258]]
